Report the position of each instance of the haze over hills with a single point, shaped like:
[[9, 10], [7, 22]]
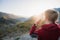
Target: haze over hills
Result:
[[4, 17]]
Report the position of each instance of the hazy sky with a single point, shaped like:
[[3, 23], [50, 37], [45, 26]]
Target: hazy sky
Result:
[[27, 8]]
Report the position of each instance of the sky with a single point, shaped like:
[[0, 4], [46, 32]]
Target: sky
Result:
[[27, 8]]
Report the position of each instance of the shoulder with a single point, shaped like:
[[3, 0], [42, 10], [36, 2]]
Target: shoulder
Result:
[[59, 25]]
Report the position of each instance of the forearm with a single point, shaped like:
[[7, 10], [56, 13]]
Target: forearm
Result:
[[32, 29]]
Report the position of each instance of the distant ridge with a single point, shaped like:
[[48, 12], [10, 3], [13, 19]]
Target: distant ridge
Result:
[[58, 9], [5, 17]]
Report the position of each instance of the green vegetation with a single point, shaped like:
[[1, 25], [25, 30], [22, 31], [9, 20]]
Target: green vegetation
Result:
[[18, 28]]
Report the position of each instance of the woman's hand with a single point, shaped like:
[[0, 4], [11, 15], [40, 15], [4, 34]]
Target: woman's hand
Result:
[[37, 24]]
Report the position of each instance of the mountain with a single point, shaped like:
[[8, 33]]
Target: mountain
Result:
[[9, 18], [8, 23], [58, 9]]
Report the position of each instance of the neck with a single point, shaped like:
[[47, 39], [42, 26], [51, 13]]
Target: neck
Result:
[[48, 22]]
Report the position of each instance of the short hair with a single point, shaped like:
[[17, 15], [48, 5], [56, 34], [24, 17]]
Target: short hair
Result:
[[51, 15]]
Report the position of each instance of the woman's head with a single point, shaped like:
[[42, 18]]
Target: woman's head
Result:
[[51, 15]]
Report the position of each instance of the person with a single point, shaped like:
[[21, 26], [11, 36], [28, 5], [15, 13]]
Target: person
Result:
[[49, 30]]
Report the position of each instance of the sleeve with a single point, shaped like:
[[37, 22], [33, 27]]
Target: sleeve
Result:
[[33, 28], [59, 29], [33, 32], [59, 32]]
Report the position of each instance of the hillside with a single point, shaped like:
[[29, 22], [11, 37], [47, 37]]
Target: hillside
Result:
[[12, 18], [8, 23]]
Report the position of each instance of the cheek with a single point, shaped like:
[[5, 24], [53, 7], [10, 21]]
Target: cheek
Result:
[[45, 18]]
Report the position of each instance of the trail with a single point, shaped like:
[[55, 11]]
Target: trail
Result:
[[22, 37]]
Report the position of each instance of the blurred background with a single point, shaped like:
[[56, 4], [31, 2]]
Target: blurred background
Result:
[[17, 16]]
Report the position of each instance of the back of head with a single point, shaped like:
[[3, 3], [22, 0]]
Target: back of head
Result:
[[51, 15]]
